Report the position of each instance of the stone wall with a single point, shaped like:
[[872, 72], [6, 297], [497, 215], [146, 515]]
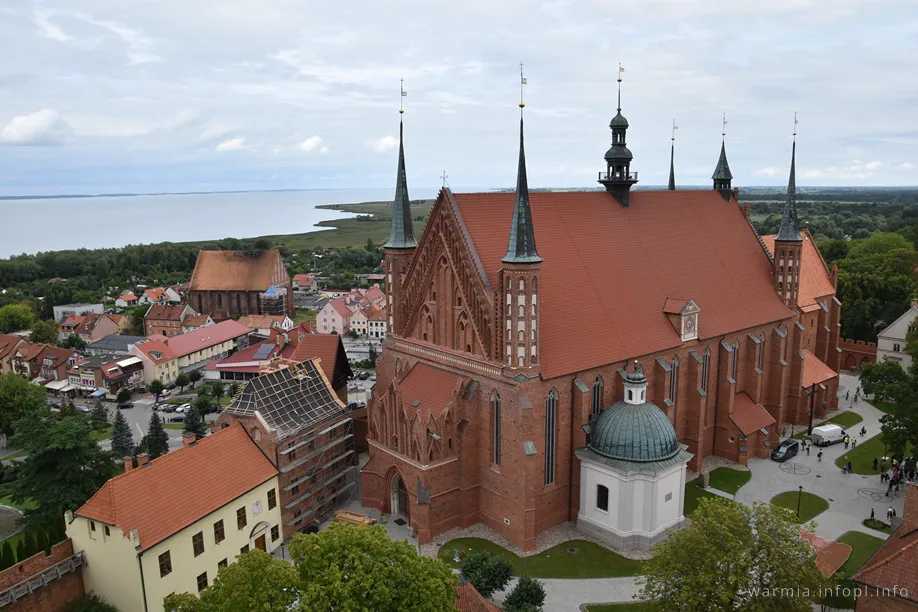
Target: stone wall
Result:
[[855, 353], [40, 584]]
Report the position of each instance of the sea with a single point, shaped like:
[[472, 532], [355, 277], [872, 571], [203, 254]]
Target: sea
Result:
[[53, 224]]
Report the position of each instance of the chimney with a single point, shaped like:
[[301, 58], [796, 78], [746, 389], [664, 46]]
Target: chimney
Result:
[[188, 438], [910, 513], [143, 459], [128, 464], [272, 334], [281, 341], [747, 211]]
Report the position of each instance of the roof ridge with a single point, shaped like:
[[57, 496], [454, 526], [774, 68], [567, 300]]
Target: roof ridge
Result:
[[894, 555]]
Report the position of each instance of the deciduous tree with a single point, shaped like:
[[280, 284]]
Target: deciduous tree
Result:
[[17, 398], [15, 317], [182, 381], [487, 572], [43, 332], [124, 395], [880, 380], [193, 377], [122, 438], [75, 342], [156, 387], [527, 596], [361, 568]]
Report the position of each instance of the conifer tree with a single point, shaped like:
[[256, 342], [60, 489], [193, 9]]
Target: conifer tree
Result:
[[157, 438], [7, 556], [41, 541], [31, 545], [21, 551], [122, 438], [194, 423], [99, 416]]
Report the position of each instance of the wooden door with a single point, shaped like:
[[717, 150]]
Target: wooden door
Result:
[[260, 543]]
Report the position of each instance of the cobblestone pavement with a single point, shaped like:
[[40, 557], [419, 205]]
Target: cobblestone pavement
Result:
[[568, 595]]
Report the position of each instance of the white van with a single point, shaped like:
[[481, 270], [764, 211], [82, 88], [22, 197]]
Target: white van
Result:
[[824, 435]]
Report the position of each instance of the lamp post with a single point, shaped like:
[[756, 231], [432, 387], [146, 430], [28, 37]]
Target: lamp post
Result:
[[799, 498], [809, 430]]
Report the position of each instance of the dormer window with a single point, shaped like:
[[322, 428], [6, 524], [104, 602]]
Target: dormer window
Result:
[[683, 314]]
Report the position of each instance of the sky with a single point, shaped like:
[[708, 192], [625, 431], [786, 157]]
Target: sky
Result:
[[146, 96]]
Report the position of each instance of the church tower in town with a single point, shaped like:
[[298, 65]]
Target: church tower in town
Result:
[[723, 178], [520, 276], [789, 242], [618, 178], [401, 245]]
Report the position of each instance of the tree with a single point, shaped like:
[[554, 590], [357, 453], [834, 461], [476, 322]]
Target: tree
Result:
[[194, 376], [122, 438], [880, 380], [124, 395], [18, 397], [75, 342], [732, 557], [63, 469], [16, 317], [99, 416], [41, 541], [137, 315], [156, 387], [217, 389], [157, 438], [233, 390], [31, 544], [352, 334], [361, 568], [182, 381], [7, 556], [202, 403], [90, 603], [43, 332], [527, 596], [194, 423], [255, 581], [487, 573], [21, 551]]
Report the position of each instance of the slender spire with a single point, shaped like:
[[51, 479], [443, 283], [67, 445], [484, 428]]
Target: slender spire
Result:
[[672, 159], [521, 247], [723, 178], [402, 234], [790, 226]]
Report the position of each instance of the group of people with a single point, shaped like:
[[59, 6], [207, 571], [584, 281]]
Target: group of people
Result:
[[899, 473]]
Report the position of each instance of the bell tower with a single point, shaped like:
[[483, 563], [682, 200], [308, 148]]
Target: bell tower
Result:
[[618, 178], [723, 178], [788, 242]]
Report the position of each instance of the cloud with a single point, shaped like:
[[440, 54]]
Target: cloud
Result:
[[41, 128], [873, 165], [48, 29], [313, 144], [906, 166], [386, 143], [769, 172], [233, 144]]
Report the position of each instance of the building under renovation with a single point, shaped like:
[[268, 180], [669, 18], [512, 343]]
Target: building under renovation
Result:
[[299, 422]]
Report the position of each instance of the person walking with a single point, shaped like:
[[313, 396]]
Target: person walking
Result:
[[819, 455], [847, 395], [850, 471], [872, 517], [808, 450], [889, 514], [853, 442], [847, 441], [875, 464], [863, 431]]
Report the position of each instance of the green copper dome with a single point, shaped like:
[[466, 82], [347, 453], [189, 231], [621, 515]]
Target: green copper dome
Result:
[[634, 432]]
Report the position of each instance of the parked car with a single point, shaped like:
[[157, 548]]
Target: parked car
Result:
[[373, 376], [124, 405], [826, 435], [165, 407], [785, 451], [84, 409], [364, 375], [179, 418], [183, 408], [352, 406], [352, 386]]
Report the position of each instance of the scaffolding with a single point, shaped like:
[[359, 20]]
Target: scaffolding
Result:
[[273, 301]]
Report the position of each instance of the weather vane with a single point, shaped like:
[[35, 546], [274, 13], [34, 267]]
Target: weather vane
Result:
[[522, 82], [675, 127], [723, 131], [795, 124], [621, 69], [401, 108]]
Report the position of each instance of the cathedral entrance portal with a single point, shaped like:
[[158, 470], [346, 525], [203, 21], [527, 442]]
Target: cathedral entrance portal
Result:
[[398, 497]]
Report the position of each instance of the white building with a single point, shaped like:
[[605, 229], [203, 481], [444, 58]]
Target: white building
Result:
[[891, 341], [632, 472], [63, 311]]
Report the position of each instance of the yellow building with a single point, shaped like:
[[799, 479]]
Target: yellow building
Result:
[[159, 361], [168, 525]]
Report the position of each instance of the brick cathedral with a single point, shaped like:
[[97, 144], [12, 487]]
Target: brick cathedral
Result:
[[512, 320]]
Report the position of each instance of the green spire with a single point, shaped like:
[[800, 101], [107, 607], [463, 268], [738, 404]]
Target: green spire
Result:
[[672, 168], [790, 227], [522, 246], [402, 234]]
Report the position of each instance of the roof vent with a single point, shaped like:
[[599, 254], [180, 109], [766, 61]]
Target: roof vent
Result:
[[416, 403]]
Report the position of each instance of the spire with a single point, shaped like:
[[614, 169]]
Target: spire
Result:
[[790, 227], [618, 178], [402, 233], [672, 160], [522, 246], [722, 171]]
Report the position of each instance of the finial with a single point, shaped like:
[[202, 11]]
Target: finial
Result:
[[522, 82], [620, 71], [444, 177], [723, 130], [795, 125], [675, 127], [401, 108]]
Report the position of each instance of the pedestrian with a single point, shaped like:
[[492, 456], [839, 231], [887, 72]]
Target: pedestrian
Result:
[[896, 490], [853, 442], [819, 455], [895, 462], [850, 471], [847, 394], [871, 514], [883, 464], [863, 431], [844, 469], [808, 450], [889, 490], [847, 441], [875, 464], [889, 514]]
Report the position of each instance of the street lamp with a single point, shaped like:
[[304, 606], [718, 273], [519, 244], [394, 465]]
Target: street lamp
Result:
[[799, 498]]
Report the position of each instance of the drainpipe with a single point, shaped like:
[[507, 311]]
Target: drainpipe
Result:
[[143, 584]]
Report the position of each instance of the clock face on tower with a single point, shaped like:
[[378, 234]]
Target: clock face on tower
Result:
[[689, 324]]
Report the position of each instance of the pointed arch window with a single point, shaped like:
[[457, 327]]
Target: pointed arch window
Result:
[[522, 285], [597, 396], [551, 437], [522, 310], [495, 427], [760, 359], [735, 360], [673, 378], [705, 365], [522, 336]]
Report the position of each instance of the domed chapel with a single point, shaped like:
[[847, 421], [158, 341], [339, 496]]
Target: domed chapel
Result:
[[534, 374]]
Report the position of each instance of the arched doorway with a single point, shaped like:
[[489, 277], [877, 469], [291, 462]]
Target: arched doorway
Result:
[[398, 497], [258, 538], [850, 362]]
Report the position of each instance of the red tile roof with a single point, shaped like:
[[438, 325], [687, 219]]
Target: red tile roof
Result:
[[895, 564], [72, 323], [814, 370], [49, 351], [340, 306], [322, 346], [7, 344], [127, 297], [303, 279], [235, 270], [189, 342], [156, 351], [431, 387], [749, 416], [374, 293], [257, 321], [156, 294], [627, 262], [165, 312], [374, 313], [115, 318], [814, 275], [196, 320], [468, 599], [181, 487]]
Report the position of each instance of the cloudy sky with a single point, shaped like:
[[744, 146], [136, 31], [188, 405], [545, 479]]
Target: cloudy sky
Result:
[[178, 95]]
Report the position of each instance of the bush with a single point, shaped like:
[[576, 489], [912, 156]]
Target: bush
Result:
[[487, 573], [527, 596], [90, 603]]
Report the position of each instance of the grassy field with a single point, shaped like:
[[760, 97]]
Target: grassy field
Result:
[[589, 561], [303, 315], [811, 505], [877, 524], [693, 495], [173, 426], [6, 500], [641, 606], [844, 420], [102, 434], [862, 548], [862, 457], [729, 480], [885, 407]]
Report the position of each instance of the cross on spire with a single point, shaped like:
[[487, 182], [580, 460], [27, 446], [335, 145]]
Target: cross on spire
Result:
[[723, 131], [444, 177]]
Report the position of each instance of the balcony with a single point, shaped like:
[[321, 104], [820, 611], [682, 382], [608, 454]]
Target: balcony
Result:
[[618, 176]]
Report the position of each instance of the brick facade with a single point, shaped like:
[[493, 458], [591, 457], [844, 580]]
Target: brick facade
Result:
[[855, 353], [51, 597]]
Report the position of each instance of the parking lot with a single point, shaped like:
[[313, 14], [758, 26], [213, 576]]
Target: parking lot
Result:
[[359, 388]]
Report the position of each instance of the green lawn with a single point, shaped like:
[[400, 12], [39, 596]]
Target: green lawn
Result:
[[862, 548], [844, 420], [877, 525], [6, 500], [302, 315], [641, 606], [810, 505], [16, 455], [885, 407], [102, 434], [862, 457], [589, 561], [729, 480], [694, 494], [173, 425]]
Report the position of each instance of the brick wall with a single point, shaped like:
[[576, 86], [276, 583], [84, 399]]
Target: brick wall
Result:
[[53, 596], [872, 601], [855, 353]]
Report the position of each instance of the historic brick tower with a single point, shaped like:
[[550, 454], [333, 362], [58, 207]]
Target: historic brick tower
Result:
[[789, 245], [401, 245]]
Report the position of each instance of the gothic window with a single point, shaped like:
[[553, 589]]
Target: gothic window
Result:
[[398, 365], [673, 378], [468, 348], [495, 427], [535, 285], [522, 361], [735, 360], [705, 364], [522, 310], [533, 335], [760, 360], [597, 396], [459, 301], [522, 285], [219, 300], [551, 418], [522, 336], [238, 306]]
